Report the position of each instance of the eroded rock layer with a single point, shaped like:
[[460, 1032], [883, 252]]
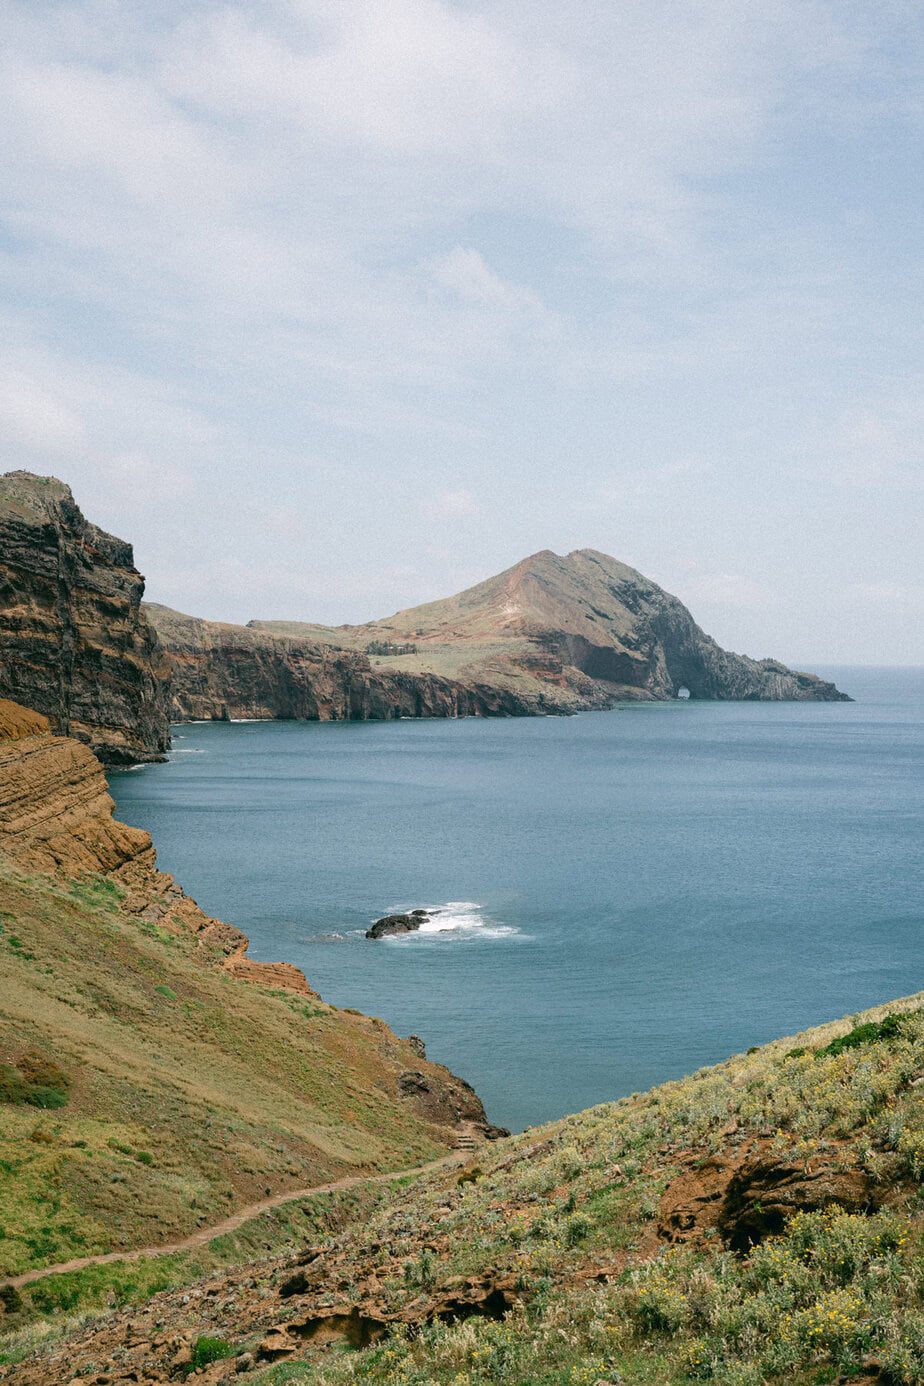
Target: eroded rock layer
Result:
[[74, 641], [219, 671], [56, 817]]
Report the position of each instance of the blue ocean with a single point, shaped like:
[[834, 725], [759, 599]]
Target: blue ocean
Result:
[[625, 896]]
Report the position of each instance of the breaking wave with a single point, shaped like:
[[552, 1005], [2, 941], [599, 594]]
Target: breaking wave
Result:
[[461, 920]]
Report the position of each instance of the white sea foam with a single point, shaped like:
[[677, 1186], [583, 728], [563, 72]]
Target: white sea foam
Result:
[[457, 919], [187, 751]]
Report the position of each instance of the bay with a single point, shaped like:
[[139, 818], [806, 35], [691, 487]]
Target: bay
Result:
[[625, 896]]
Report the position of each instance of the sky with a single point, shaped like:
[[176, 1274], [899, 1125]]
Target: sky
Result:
[[332, 308]]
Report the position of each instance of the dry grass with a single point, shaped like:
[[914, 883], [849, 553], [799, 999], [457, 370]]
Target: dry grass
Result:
[[189, 1093]]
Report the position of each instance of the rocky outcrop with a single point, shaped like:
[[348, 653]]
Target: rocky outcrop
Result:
[[56, 817], [391, 924], [74, 641], [220, 671], [751, 1193]]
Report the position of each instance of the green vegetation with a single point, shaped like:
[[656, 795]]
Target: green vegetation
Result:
[[872, 1032], [36, 1080], [835, 1294], [835, 1291], [45, 1309], [574, 1220], [145, 1092], [208, 1350]]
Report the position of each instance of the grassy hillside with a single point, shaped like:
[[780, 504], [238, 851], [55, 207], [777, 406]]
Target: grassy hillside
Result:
[[145, 1091], [760, 1221]]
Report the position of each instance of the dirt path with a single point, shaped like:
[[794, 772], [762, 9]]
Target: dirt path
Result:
[[219, 1229]]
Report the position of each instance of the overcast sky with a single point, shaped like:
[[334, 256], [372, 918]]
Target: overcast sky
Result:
[[332, 308]]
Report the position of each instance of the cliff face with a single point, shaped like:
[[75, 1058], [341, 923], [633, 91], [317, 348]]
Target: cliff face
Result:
[[74, 642], [56, 817], [642, 636], [219, 671], [552, 634]]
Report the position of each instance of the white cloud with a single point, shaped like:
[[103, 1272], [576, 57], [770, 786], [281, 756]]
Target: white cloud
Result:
[[463, 272], [905, 596], [34, 417], [734, 590], [451, 505], [555, 254], [877, 446], [653, 483], [405, 77]]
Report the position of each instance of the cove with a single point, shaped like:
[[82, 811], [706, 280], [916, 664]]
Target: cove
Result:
[[626, 896]]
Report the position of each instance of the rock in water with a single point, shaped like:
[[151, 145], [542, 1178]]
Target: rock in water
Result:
[[399, 923]]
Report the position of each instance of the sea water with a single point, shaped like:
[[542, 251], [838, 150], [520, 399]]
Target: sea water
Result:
[[624, 896]]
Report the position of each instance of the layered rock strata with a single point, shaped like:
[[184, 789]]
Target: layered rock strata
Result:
[[220, 671], [56, 817], [74, 641]]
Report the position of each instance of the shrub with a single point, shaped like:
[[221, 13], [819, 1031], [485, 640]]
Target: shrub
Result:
[[209, 1350], [11, 1299], [166, 991], [48, 1098], [98, 890], [873, 1032], [35, 1080], [13, 1087], [576, 1229]]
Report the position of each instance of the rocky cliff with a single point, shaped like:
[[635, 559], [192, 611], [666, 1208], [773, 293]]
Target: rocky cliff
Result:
[[565, 633], [552, 634], [218, 670], [56, 817], [74, 641]]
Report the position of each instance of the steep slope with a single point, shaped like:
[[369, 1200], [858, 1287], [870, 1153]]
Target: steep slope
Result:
[[74, 642], [152, 1076], [218, 670], [758, 1222], [568, 632]]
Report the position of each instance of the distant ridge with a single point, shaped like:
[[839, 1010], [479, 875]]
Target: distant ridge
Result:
[[564, 633], [552, 634]]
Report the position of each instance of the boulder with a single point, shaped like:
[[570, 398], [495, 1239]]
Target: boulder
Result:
[[391, 924]]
